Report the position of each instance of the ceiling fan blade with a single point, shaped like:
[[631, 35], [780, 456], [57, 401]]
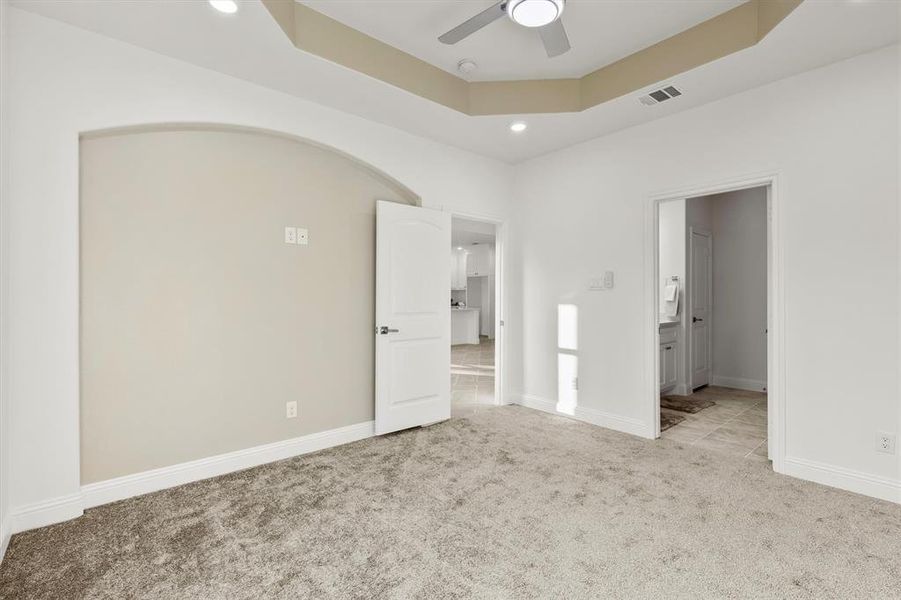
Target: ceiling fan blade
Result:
[[469, 27], [554, 38]]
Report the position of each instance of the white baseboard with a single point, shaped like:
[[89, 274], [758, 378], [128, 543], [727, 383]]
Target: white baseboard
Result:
[[883, 488], [120, 488], [112, 490], [40, 514], [536, 403], [751, 385], [589, 415], [5, 534]]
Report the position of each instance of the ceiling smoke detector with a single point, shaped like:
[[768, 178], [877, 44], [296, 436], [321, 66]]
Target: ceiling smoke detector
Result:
[[658, 96], [467, 66]]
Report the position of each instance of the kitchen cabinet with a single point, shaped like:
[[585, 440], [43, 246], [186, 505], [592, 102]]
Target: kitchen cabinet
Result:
[[480, 261], [464, 326]]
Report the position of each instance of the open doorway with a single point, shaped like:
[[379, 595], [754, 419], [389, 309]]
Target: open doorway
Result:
[[714, 272], [473, 306]]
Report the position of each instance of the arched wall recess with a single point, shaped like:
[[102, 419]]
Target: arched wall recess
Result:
[[198, 322]]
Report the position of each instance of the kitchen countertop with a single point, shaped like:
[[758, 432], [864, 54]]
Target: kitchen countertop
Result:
[[456, 309]]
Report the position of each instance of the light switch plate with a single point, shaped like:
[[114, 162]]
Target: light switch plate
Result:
[[291, 409], [290, 235], [303, 236], [601, 283]]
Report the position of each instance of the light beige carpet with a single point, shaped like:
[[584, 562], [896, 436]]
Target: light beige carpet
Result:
[[508, 503]]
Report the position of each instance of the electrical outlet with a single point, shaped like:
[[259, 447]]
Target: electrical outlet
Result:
[[290, 235], [290, 409], [885, 442]]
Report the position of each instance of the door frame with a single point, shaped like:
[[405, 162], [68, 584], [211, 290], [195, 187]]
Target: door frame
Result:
[[689, 307], [776, 367], [500, 233]]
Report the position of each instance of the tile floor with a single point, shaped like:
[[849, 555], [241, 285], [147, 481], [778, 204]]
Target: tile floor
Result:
[[472, 377], [736, 424]]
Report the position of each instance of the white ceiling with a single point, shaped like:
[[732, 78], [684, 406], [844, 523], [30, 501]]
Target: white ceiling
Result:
[[465, 232], [600, 32], [249, 45]]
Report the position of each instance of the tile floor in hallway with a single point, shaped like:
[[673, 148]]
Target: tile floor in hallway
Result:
[[736, 424], [472, 377]]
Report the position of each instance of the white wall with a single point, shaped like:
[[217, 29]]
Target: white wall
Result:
[[66, 81], [739, 288], [699, 214], [829, 134], [671, 260], [4, 280]]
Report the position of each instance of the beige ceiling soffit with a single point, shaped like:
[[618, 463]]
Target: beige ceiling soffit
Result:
[[323, 36], [727, 33], [528, 96]]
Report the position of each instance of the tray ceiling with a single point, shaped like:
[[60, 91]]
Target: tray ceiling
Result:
[[251, 46], [600, 32], [736, 29]]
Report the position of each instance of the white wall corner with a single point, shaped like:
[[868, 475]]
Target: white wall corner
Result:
[[875, 486], [592, 416]]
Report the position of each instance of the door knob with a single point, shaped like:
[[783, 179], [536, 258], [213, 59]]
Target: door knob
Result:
[[385, 330]]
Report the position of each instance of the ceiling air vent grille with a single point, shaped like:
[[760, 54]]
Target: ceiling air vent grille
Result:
[[661, 95]]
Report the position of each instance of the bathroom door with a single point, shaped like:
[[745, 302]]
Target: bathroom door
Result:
[[700, 276], [412, 349]]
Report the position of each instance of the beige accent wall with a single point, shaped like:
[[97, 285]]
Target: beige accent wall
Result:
[[198, 323]]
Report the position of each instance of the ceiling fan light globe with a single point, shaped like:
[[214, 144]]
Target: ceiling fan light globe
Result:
[[534, 13]]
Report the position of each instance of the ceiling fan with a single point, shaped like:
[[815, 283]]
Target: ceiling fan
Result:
[[543, 15]]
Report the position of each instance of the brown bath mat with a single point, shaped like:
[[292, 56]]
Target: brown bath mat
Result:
[[668, 420], [685, 404]]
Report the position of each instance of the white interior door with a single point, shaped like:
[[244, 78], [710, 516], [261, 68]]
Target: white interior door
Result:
[[412, 309], [701, 274]]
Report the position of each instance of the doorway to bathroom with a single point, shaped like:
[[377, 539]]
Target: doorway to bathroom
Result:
[[714, 272]]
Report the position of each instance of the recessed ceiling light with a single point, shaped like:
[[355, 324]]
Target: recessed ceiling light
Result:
[[518, 127], [228, 7], [534, 13], [459, 247]]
